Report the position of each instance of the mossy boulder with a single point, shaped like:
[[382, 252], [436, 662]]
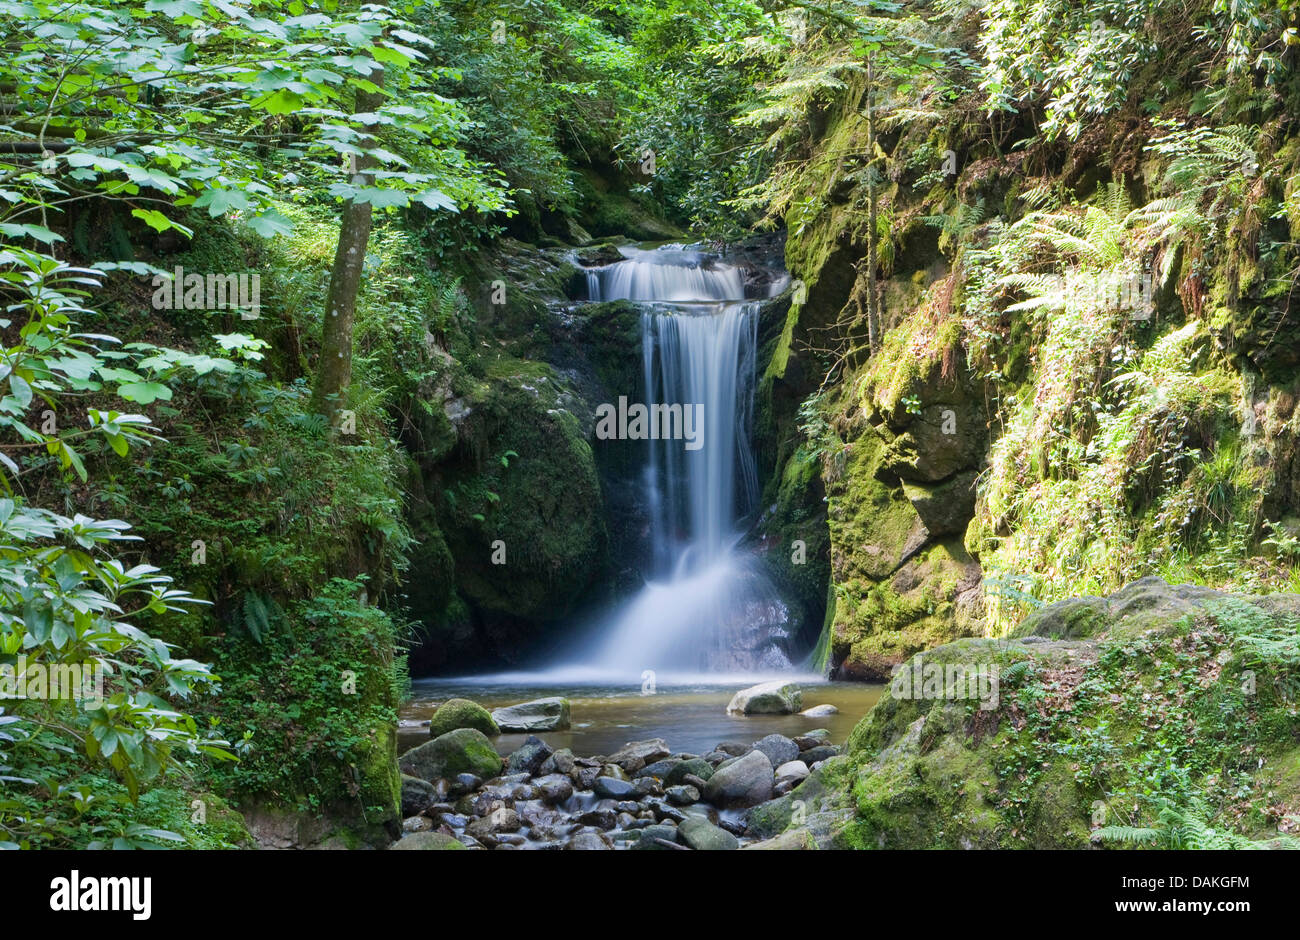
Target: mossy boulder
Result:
[[1175, 702], [463, 751], [462, 713]]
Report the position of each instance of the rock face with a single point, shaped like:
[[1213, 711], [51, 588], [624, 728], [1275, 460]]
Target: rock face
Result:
[[767, 698], [745, 782], [543, 714], [456, 752], [461, 713]]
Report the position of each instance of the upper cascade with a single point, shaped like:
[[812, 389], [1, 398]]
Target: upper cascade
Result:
[[669, 276]]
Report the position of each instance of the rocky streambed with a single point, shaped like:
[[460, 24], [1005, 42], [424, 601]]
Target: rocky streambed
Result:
[[458, 793]]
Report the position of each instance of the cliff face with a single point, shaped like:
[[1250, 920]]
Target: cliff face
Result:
[[1085, 372]]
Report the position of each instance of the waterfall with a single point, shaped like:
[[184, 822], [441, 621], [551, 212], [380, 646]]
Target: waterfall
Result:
[[706, 607]]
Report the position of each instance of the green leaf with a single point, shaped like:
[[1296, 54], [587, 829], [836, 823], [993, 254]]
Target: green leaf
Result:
[[144, 393]]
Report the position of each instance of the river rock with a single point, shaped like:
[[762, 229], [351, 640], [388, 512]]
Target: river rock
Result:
[[660, 769], [734, 748], [543, 714], [820, 711], [701, 835], [815, 755], [462, 713], [747, 782], [795, 769], [561, 762], [778, 748], [613, 788], [613, 770], [464, 750], [651, 835], [637, 754], [584, 778], [417, 796], [463, 783], [589, 841], [602, 817], [767, 698], [529, 757], [698, 783], [554, 788], [647, 786], [697, 766], [427, 841], [501, 820], [682, 795], [417, 824], [813, 738]]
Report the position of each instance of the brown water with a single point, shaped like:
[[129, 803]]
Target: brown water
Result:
[[690, 718]]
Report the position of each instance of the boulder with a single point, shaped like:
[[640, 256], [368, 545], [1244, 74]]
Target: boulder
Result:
[[701, 835], [747, 782], [815, 755], [417, 796], [561, 762], [682, 796], [778, 748], [554, 788], [697, 767], [792, 770], [529, 757], [503, 820], [589, 841], [463, 751], [637, 754], [543, 714], [613, 788], [820, 711], [461, 713], [767, 698], [660, 769], [651, 837], [812, 738]]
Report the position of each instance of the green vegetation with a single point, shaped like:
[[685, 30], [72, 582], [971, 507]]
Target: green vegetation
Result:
[[1040, 343]]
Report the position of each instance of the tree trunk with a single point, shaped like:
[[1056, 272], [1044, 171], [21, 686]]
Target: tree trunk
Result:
[[334, 373], [873, 317]]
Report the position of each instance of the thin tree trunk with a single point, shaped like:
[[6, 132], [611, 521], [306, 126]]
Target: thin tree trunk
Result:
[[334, 373], [873, 319]]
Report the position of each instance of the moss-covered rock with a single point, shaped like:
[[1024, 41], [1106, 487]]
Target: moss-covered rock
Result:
[[462, 713], [1176, 705], [463, 751]]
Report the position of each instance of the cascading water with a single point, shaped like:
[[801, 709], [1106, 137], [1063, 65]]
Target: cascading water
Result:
[[706, 608]]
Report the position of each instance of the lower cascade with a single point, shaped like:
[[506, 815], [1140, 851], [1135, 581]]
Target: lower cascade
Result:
[[706, 607]]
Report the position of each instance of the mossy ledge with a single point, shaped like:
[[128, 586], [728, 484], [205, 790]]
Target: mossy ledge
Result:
[[1161, 702]]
